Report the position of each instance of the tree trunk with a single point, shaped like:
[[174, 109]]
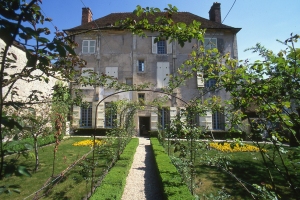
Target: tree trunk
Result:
[[36, 154], [294, 139]]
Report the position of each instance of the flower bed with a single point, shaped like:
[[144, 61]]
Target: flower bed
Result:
[[89, 143], [232, 147]]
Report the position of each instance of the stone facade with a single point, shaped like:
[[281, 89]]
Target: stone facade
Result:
[[135, 60], [25, 87]]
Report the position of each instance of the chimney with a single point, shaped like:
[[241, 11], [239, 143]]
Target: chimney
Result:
[[86, 16], [215, 12]]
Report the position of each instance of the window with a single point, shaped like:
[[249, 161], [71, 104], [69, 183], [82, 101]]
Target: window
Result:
[[218, 120], [210, 43], [128, 81], [86, 116], [210, 83], [161, 47], [88, 46], [141, 98], [141, 66], [110, 115], [164, 117]]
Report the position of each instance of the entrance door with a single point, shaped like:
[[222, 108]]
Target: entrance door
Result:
[[144, 125]]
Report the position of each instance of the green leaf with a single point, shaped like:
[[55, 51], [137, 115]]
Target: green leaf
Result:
[[42, 40], [61, 50], [17, 191], [23, 171]]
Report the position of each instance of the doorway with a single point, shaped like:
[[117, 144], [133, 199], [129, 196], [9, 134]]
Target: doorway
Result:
[[144, 126]]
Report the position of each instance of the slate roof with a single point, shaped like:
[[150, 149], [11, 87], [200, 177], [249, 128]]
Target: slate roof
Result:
[[108, 21]]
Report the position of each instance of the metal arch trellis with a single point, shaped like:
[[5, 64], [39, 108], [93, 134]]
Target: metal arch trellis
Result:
[[96, 111], [95, 122]]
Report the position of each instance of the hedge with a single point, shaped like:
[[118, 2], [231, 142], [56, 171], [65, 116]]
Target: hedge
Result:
[[173, 187], [24, 144], [112, 186]]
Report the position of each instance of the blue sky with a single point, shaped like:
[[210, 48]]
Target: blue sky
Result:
[[261, 21]]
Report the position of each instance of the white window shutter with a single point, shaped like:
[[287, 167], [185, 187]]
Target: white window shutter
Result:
[[206, 121], [182, 116], [76, 116], [163, 73], [154, 120], [159, 75], [100, 115], [173, 113], [200, 80], [154, 46], [169, 47], [227, 121], [92, 46], [111, 71]]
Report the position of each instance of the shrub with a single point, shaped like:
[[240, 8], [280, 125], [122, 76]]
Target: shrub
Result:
[[113, 184], [173, 186], [24, 144]]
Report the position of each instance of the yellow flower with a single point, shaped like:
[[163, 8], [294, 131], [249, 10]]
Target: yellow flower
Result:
[[89, 143], [231, 147]]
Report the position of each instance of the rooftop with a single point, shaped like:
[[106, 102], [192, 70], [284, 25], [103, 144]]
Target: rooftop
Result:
[[108, 21]]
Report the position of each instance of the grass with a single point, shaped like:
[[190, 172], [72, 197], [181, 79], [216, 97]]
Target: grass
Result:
[[247, 166], [74, 184]]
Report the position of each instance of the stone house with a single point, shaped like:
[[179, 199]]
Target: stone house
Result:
[[133, 60], [24, 87]]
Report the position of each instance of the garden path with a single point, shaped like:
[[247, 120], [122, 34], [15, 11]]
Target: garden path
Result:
[[142, 181]]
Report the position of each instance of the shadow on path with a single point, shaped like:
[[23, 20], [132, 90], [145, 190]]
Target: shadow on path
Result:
[[152, 183]]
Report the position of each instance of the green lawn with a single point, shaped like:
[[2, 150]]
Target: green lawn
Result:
[[75, 183], [247, 166]]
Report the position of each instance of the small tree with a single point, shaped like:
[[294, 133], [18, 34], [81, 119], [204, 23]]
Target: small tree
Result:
[[22, 21]]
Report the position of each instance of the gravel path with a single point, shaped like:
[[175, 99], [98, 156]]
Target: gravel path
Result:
[[142, 181]]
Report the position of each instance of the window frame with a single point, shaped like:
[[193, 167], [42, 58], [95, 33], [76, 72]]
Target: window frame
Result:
[[209, 44], [164, 117], [86, 114], [218, 120], [110, 117], [88, 46], [168, 46], [141, 65], [161, 46], [141, 97], [127, 80]]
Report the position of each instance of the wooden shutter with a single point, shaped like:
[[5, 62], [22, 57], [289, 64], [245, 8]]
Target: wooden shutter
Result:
[[154, 46], [85, 46], [154, 120], [182, 115], [169, 47], [100, 115], [173, 113], [227, 121], [76, 116], [206, 121], [112, 72], [163, 72], [200, 80]]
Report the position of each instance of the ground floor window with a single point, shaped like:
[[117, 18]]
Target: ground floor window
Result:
[[218, 120], [110, 115], [164, 117], [86, 116]]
